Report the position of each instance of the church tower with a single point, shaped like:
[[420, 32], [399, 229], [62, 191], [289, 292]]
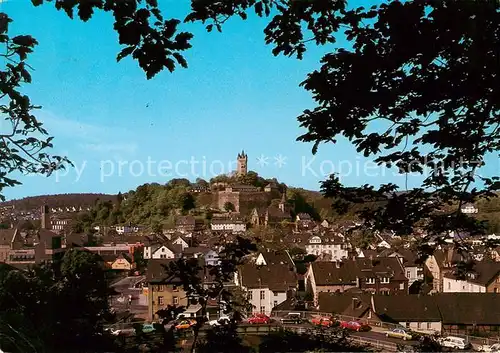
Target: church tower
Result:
[[242, 164]]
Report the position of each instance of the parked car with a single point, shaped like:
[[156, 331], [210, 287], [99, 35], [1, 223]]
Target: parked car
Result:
[[494, 348], [223, 320], [148, 328], [292, 318], [354, 326], [454, 342], [324, 321], [259, 319], [399, 333], [184, 324]]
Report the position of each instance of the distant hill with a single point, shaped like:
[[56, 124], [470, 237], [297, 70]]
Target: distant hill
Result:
[[61, 200]]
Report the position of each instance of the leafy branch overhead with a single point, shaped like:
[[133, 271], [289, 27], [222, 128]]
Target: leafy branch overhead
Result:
[[142, 30], [20, 148], [418, 91], [416, 88]]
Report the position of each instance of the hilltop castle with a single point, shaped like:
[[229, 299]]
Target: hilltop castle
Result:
[[242, 168]]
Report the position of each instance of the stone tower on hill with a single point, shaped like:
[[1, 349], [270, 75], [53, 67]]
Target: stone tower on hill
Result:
[[242, 164]]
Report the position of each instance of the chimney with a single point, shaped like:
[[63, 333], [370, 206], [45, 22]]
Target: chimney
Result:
[[45, 217], [354, 303]]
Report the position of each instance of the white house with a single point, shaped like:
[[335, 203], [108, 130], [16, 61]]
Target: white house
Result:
[[469, 208], [332, 248], [266, 286], [228, 225], [485, 278], [384, 244], [158, 252], [211, 258], [267, 258], [181, 242], [126, 229], [453, 285]]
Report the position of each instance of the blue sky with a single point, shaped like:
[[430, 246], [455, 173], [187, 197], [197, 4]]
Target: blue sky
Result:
[[235, 95]]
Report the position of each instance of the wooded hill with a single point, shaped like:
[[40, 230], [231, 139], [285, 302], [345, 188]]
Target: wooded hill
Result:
[[61, 200]]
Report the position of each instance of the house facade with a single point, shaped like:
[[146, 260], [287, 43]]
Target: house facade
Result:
[[121, 262], [267, 286], [384, 275], [179, 241], [485, 278], [162, 289], [469, 208], [227, 225], [439, 263], [414, 270], [158, 251], [418, 313], [331, 248], [189, 224]]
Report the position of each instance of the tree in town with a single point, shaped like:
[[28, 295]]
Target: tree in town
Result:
[[229, 207], [429, 110], [58, 307], [288, 341], [202, 183], [222, 339], [209, 283]]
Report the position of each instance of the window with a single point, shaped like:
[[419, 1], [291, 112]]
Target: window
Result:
[[262, 295], [385, 280], [408, 274], [429, 326], [160, 288], [370, 281], [275, 294], [385, 292], [449, 285], [275, 303], [175, 300], [419, 325], [250, 295], [160, 300], [262, 309]]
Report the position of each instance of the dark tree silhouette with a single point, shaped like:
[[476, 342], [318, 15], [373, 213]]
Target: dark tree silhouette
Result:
[[194, 276], [229, 207], [57, 307]]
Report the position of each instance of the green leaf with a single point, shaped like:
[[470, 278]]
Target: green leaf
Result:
[[125, 52]]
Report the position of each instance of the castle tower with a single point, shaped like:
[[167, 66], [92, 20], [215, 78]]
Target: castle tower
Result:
[[45, 217], [242, 164], [282, 205]]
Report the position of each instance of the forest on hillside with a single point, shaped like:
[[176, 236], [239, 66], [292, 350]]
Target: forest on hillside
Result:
[[157, 205], [59, 200]]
